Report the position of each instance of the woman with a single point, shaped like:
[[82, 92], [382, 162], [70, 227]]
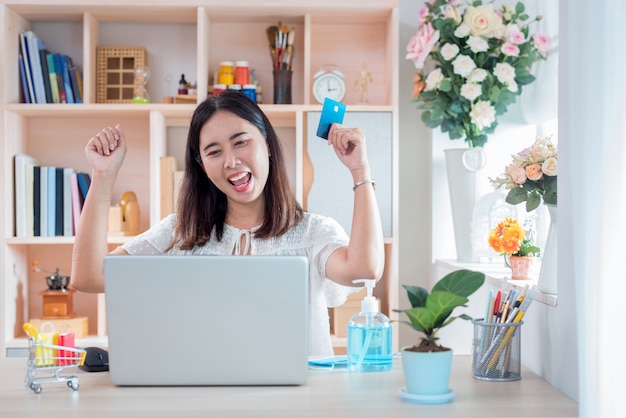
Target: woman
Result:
[[235, 199]]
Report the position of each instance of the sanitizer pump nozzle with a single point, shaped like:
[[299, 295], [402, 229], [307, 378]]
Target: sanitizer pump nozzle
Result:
[[369, 335], [369, 302]]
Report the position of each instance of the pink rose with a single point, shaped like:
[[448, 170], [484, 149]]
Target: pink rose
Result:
[[533, 172], [509, 49], [421, 17], [514, 35], [517, 173], [421, 44], [542, 43]]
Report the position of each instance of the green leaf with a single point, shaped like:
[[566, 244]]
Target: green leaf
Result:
[[457, 133], [445, 85], [421, 319], [550, 198], [437, 114], [417, 295], [524, 79], [456, 108], [441, 304], [516, 196], [460, 282], [481, 140], [426, 118], [494, 94], [532, 202]]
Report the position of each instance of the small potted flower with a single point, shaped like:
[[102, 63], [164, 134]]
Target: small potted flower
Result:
[[508, 238]]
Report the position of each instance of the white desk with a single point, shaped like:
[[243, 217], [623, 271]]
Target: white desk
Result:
[[327, 394]]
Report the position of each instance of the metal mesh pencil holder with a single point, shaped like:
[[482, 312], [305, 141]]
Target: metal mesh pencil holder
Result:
[[496, 354]]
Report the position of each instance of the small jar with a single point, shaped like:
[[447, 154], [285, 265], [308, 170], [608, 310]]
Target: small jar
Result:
[[235, 87], [218, 88], [250, 91], [226, 73], [242, 72]]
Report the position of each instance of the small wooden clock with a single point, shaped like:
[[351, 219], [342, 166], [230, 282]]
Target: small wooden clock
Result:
[[329, 82]]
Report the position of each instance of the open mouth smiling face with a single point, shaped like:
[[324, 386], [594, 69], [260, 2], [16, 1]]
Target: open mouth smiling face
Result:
[[235, 156]]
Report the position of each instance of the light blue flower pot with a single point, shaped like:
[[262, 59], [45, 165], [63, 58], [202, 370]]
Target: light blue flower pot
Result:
[[427, 373]]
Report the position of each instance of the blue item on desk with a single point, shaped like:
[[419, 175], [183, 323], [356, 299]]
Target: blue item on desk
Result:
[[96, 360], [426, 399], [329, 362]]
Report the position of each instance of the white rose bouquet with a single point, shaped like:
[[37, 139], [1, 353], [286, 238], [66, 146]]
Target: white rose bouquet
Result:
[[532, 176], [478, 60]]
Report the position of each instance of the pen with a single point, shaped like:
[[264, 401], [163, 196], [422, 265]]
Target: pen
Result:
[[512, 297], [496, 306], [511, 315], [504, 312]]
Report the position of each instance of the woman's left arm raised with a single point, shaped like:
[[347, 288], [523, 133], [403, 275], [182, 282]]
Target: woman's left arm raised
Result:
[[364, 257]]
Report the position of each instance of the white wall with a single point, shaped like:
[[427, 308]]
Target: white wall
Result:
[[549, 334]]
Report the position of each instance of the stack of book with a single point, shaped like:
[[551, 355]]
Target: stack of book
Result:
[[47, 77], [48, 199]]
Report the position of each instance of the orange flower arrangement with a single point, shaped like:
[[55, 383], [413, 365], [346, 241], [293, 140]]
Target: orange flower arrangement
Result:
[[509, 238]]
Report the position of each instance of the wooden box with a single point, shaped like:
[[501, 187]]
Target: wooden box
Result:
[[115, 68]]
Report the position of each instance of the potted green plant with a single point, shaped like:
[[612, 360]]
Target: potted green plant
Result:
[[427, 365]]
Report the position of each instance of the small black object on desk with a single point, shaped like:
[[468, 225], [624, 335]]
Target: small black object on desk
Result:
[[96, 360]]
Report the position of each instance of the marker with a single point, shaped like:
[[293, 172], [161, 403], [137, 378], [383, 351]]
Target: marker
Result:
[[496, 306]]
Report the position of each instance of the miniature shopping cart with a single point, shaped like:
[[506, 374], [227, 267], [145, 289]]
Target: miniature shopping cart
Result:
[[46, 361]]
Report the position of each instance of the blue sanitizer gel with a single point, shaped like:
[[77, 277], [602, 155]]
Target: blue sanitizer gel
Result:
[[369, 336]]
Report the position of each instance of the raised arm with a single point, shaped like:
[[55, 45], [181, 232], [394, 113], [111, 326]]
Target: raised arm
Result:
[[364, 257], [105, 152]]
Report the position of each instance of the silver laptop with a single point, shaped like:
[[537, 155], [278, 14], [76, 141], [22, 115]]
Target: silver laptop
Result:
[[207, 320]]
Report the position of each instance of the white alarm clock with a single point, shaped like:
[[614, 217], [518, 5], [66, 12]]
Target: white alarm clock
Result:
[[329, 82]]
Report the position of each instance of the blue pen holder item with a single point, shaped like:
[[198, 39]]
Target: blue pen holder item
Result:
[[496, 350]]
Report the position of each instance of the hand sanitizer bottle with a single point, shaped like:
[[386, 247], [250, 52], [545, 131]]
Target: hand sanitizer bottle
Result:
[[369, 336]]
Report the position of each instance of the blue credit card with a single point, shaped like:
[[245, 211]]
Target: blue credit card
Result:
[[332, 112]]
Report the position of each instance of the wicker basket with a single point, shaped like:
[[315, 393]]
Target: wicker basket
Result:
[[116, 72]]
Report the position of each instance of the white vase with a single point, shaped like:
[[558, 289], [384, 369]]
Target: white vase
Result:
[[548, 273], [462, 166]]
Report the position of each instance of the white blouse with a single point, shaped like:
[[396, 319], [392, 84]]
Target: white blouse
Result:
[[315, 237]]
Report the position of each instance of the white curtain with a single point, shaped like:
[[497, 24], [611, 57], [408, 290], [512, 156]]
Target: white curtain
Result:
[[592, 192]]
